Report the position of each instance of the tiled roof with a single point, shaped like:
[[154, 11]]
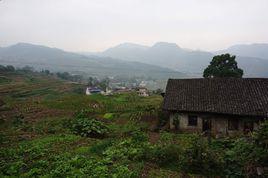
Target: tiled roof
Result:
[[237, 96]]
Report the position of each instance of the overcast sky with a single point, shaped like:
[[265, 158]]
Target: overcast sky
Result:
[[94, 25]]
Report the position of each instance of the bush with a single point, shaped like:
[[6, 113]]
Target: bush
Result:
[[165, 155], [201, 159], [163, 119], [243, 159], [101, 146], [133, 148], [237, 157], [88, 127], [261, 136]]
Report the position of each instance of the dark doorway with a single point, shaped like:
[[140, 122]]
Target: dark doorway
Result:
[[206, 124], [248, 126]]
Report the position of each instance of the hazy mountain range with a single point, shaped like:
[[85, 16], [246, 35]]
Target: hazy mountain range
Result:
[[252, 58], [161, 61], [258, 50], [42, 57]]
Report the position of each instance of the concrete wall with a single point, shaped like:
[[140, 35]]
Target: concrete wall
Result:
[[219, 124]]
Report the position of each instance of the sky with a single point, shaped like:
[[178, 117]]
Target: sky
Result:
[[95, 25]]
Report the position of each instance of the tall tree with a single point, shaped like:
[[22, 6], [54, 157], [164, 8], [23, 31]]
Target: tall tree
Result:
[[104, 83], [223, 65]]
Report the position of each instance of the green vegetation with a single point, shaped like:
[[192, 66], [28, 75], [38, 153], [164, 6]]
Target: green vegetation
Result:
[[47, 129], [223, 65], [88, 127]]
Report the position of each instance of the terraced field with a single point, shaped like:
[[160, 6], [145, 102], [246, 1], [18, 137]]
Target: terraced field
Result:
[[50, 128], [35, 136]]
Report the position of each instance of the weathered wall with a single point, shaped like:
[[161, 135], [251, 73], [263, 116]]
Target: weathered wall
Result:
[[183, 123], [219, 124]]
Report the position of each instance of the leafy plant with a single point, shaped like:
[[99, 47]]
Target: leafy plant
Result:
[[88, 127]]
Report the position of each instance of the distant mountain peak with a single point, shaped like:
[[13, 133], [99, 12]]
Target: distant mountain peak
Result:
[[29, 46], [165, 45], [22, 44], [128, 45], [249, 45], [259, 50]]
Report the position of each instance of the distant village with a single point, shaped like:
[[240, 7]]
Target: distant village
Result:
[[116, 87]]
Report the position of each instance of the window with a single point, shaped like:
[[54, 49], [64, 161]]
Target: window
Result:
[[232, 124], [192, 120]]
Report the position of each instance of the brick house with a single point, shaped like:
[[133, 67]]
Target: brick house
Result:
[[223, 106]]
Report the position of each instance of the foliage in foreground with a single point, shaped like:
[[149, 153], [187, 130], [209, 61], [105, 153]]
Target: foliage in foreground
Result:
[[42, 158], [69, 155]]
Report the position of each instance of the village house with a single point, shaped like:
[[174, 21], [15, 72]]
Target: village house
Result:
[[120, 90], [96, 90], [93, 90], [142, 91], [220, 106]]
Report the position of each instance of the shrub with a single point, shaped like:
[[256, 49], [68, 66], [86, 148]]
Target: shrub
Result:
[[248, 154], [101, 146], [261, 136], [163, 119], [88, 127], [236, 157], [199, 158], [133, 148], [165, 155]]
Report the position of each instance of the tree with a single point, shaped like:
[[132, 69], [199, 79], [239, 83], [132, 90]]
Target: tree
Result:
[[2, 68], [47, 72], [27, 69], [104, 83], [92, 81], [223, 66], [10, 68]]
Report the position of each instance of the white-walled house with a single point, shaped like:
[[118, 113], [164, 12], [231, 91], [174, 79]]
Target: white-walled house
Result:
[[142, 91]]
